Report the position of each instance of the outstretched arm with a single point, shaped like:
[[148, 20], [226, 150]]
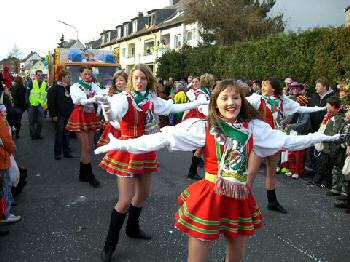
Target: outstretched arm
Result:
[[166, 107], [268, 141], [185, 136], [291, 107]]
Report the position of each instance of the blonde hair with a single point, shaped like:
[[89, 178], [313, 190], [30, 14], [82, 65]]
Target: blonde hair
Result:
[[207, 80], [151, 79]]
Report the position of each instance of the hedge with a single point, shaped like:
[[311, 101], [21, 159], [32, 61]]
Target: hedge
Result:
[[304, 57]]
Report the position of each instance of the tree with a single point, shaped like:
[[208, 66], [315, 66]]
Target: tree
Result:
[[15, 52], [61, 43], [234, 20]]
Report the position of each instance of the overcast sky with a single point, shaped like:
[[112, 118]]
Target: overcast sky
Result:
[[33, 24]]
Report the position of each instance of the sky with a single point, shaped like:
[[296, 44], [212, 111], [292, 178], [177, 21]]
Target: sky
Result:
[[32, 25]]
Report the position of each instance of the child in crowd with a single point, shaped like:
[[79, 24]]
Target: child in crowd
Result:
[[7, 149], [299, 125], [338, 153], [330, 125]]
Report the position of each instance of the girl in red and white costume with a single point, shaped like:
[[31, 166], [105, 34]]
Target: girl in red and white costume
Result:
[[136, 111], [274, 107], [196, 93], [83, 121], [223, 202], [119, 84]]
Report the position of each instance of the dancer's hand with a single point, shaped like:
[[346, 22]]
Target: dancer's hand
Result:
[[114, 144]]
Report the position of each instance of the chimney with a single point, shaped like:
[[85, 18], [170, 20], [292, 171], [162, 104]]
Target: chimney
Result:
[[140, 14]]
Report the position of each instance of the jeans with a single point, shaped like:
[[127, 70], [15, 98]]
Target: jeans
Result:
[[6, 188], [61, 136], [35, 116]]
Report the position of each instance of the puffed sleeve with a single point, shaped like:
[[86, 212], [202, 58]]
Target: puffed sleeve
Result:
[[254, 100], [166, 107], [291, 107], [268, 141], [190, 95], [98, 90], [185, 136], [76, 94], [118, 106]]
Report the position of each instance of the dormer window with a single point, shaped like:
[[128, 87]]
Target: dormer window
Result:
[[109, 37], [134, 26], [119, 32], [152, 19], [126, 29]]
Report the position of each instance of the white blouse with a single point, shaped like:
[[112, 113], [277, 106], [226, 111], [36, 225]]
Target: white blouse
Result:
[[119, 105], [79, 96], [192, 97], [190, 134], [290, 107]]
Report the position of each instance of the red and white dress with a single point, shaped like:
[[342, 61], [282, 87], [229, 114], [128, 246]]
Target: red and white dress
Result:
[[83, 117], [133, 122], [274, 110], [195, 95], [203, 213]]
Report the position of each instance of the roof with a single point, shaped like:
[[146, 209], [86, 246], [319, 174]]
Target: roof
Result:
[[29, 55], [178, 18]]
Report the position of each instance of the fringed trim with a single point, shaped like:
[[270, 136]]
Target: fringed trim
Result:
[[230, 189]]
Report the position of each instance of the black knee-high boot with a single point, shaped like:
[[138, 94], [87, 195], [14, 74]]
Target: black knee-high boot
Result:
[[91, 177], [132, 225], [348, 197], [83, 173], [273, 203], [192, 172], [116, 223]]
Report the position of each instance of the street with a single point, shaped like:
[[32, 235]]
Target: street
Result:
[[66, 220]]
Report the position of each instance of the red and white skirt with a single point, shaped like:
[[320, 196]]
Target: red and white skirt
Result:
[[126, 164], [205, 215], [82, 121], [104, 139]]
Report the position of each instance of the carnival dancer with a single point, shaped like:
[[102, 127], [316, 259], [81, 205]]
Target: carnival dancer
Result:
[[199, 91], [273, 108], [136, 111], [84, 122], [223, 202], [119, 84]]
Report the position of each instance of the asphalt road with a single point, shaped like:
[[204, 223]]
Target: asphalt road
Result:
[[66, 220]]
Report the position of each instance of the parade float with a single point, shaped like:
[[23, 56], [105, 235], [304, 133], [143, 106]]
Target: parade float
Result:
[[104, 64]]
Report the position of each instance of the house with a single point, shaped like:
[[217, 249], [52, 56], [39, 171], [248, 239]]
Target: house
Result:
[[28, 62], [108, 39], [12, 62], [347, 16]]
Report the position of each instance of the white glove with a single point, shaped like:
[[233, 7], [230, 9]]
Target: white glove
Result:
[[86, 101], [202, 102], [330, 138], [114, 144]]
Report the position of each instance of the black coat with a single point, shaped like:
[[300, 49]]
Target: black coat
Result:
[[59, 103], [19, 97], [317, 117]]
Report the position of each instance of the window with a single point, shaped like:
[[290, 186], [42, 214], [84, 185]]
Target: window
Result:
[[152, 19], [134, 26], [124, 52], [119, 32], [126, 30], [189, 35], [108, 37], [177, 41]]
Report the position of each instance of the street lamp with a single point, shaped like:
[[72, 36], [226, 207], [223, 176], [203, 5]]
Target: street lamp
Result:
[[76, 30]]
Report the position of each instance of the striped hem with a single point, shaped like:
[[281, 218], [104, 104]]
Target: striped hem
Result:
[[118, 168]]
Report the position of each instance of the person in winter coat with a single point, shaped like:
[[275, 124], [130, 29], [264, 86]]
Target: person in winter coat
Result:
[[18, 92]]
